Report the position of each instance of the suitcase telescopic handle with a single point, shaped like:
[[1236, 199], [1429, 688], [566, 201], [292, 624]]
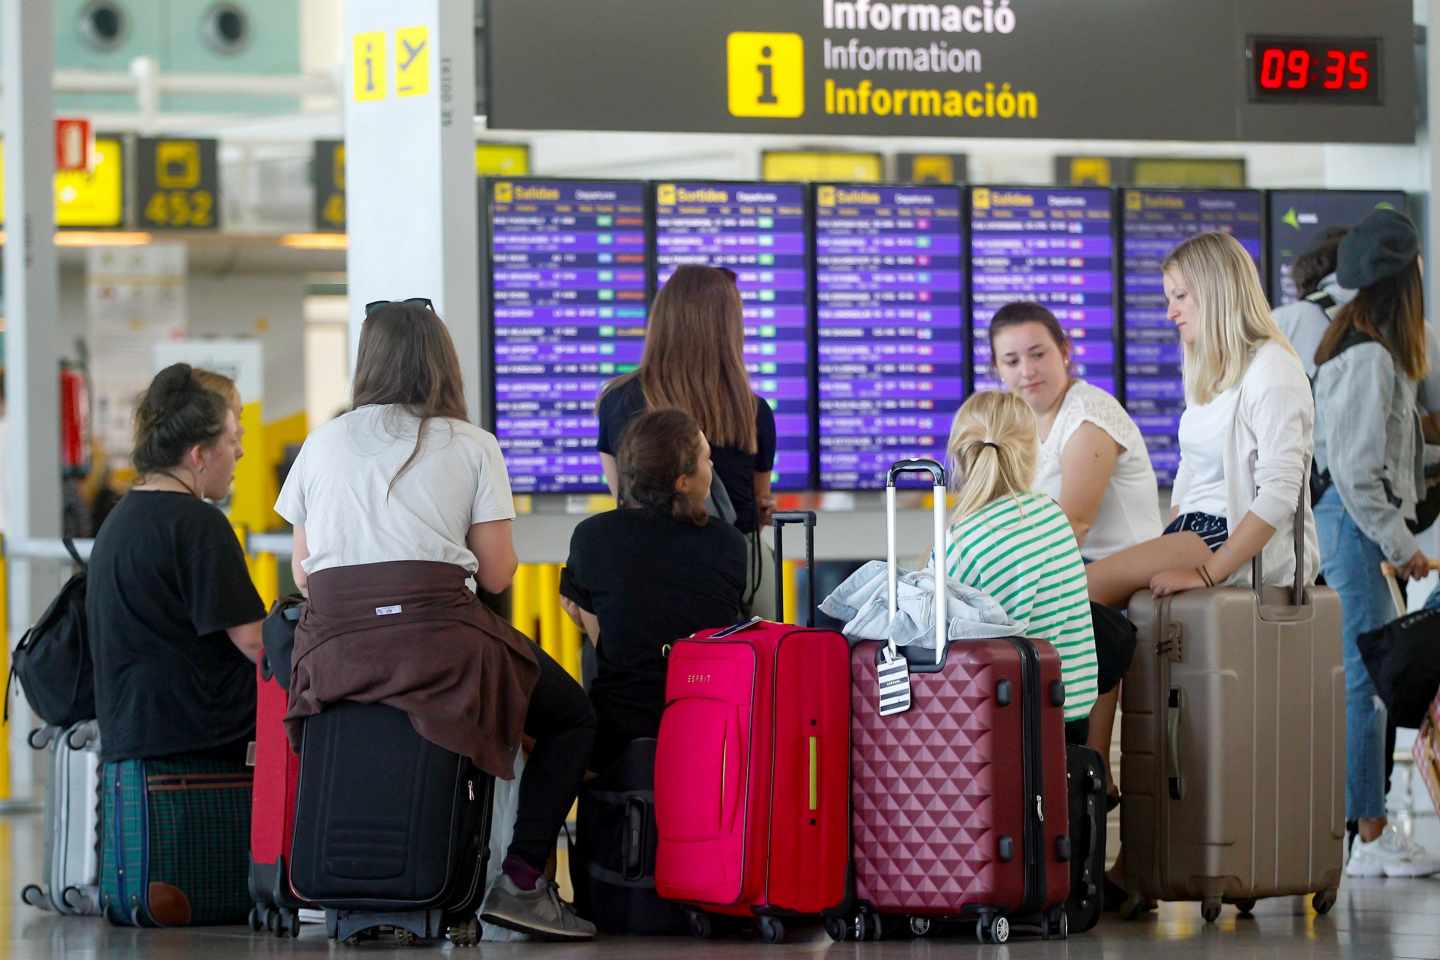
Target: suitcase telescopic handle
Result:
[[805, 518], [937, 480], [1257, 573]]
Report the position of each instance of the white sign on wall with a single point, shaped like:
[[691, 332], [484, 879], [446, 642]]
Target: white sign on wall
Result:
[[135, 299], [240, 360]]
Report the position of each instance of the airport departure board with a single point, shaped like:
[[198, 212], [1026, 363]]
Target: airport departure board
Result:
[[1299, 219], [890, 285], [1055, 247], [1155, 223], [568, 303], [760, 231]]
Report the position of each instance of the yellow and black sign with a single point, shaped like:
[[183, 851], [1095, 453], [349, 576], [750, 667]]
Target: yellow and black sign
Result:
[[93, 199], [368, 58], [412, 62], [502, 159], [808, 165], [932, 167], [177, 184], [1188, 172], [328, 173], [766, 74]]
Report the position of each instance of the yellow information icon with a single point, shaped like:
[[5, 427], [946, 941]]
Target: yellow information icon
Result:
[[826, 197], [665, 195], [981, 198], [369, 65], [766, 74], [412, 61], [504, 193]]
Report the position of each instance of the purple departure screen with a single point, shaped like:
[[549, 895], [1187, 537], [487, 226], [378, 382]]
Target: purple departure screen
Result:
[[1156, 221], [1057, 248], [568, 282], [758, 230], [890, 276]]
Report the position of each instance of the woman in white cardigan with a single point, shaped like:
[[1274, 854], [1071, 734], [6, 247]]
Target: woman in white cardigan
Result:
[[1246, 438]]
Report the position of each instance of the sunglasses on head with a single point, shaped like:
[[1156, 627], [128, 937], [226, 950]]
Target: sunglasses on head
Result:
[[374, 305]]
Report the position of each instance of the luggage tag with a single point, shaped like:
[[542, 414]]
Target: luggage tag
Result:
[[893, 676]]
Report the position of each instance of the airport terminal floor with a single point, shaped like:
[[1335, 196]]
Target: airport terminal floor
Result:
[[1373, 920]]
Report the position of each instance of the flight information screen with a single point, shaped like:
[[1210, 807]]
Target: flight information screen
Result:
[[890, 285], [1055, 247], [1299, 219], [1156, 221], [568, 302], [760, 231]]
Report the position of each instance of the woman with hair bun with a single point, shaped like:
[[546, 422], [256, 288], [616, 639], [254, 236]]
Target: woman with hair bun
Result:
[[174, 619]]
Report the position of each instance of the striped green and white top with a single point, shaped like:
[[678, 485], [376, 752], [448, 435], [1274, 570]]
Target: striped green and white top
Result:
[[1022, 552]]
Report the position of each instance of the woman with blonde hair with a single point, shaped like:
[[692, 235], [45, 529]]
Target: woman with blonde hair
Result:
[[1018, 546], [1246, 438], [694, 361]]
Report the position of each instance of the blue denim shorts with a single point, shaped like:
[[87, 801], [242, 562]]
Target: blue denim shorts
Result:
[[1208, 527]]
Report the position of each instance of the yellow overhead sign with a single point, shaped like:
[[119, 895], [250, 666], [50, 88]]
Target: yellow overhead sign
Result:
[[412, 62], [369, 64], [502, 159], [93, 199], [822, 165]]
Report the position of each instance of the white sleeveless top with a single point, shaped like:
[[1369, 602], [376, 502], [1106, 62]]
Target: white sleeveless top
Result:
[[1130, 511]]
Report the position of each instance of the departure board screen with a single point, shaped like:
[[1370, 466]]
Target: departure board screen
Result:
[[760, 231], [890, 279], [1156, 221], [1055, 247], [568, 304], [1299, 219]]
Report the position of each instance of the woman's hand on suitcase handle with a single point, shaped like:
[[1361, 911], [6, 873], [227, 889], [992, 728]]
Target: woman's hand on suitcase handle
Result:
[[1167, 582], [1416, 568]]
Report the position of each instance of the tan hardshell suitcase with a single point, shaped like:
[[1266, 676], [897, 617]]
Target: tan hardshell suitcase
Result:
[[1233, 746]]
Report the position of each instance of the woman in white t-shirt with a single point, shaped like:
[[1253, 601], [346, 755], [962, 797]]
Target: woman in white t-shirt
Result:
[[396, 507], [1093, 463]]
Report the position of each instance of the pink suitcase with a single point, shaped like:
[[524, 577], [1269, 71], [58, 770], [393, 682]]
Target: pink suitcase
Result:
[[752, 772], [960, 802]]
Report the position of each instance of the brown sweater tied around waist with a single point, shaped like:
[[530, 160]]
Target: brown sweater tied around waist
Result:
[[412, 635]]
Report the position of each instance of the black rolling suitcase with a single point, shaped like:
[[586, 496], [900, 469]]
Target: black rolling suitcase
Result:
[[1086, 772], [391, 831], [612, 862]]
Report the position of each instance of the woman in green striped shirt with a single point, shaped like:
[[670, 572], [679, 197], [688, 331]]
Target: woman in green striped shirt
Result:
[[1017, 545]]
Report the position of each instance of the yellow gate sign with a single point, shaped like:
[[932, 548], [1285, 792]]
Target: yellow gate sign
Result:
[[88, 199]]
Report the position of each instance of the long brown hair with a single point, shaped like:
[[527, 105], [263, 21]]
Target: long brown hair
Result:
[[1391, 312], [694, 356], [407, 359]]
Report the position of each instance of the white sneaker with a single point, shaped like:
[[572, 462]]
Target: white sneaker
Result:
[[1392, 854]]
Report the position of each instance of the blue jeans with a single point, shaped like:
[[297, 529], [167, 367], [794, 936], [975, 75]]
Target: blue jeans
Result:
[[1351, 564]]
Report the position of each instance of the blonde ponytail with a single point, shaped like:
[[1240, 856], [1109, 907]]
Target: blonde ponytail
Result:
[[994, 442]]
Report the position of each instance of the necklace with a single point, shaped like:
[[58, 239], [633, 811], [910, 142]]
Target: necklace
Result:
[[166, 473]]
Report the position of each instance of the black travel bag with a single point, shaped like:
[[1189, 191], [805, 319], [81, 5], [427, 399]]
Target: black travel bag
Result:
[[391, 831]]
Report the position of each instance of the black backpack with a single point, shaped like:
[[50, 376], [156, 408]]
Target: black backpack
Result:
[[52, 660]]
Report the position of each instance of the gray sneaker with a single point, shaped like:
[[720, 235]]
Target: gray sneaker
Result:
[[539, 912]]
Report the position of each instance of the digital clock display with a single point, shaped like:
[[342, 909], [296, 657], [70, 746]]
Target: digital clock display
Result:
[[1315, 69]]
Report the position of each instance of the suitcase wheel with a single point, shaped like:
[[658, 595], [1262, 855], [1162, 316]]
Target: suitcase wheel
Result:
[[701, 926], [256, 922], [992, 929], [465, 933], [1324, 901], [33, 895], [771, 930], [1210, 910], [289, 923], [1246, 907], [920, 926], [838, 928], [1055, 925]]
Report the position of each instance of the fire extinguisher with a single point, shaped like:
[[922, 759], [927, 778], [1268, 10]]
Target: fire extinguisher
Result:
[[74, 420]]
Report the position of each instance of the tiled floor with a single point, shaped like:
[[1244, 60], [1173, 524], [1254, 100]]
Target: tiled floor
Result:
[[1374, 919]]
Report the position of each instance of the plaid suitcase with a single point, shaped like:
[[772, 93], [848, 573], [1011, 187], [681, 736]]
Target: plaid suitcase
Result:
[[175, 848]]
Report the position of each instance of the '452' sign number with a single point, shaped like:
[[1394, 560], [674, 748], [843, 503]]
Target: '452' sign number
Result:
[[179, 184]]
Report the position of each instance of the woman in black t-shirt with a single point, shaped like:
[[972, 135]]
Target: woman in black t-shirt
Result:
[[694, 361], [654, 570], [174, 620]]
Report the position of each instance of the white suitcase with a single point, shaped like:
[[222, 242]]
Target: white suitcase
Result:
[[72, 822]]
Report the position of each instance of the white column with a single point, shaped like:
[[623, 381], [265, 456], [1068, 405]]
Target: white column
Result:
[[32, 451], [410, 167]]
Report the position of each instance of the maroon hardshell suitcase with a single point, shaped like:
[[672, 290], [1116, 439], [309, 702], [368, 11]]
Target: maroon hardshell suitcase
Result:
[[959, 803]]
